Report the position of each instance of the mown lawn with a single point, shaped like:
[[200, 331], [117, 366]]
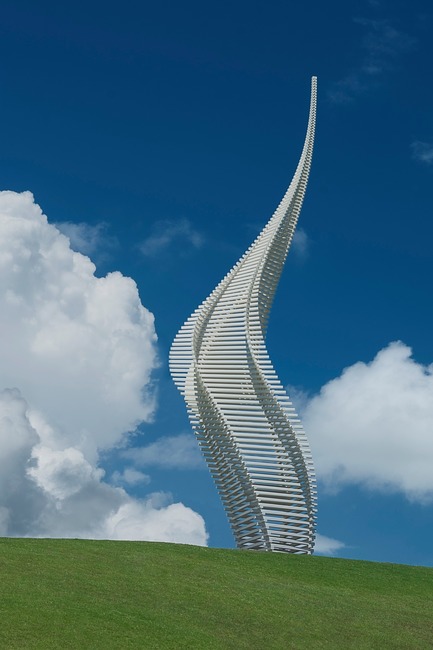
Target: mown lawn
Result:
[[99, 594]]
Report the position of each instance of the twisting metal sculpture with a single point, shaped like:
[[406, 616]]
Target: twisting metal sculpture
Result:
[[245, 424]]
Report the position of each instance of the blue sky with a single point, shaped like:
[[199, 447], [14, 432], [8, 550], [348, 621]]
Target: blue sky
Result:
[[160, 139]]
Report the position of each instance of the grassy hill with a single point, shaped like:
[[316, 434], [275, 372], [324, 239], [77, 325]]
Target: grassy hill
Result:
[[98, 594]]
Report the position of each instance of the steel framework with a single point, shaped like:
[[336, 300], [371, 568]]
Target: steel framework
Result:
[[246, 426]]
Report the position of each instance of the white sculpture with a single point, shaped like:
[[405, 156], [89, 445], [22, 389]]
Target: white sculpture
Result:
[[245, 424]]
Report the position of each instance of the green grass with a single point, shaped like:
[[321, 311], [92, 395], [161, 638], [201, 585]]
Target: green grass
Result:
[[96, 594]]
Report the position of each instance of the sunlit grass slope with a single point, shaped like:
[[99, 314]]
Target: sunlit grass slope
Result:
[[95, 594]]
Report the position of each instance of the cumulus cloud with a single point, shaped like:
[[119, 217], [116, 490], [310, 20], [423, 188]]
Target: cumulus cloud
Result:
[[76, 377], [373, 426], [169, 452], [168, 233], [172, 523], [327, 545], [422, 151]]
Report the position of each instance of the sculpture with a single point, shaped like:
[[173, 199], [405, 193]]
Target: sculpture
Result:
[[245, 424]]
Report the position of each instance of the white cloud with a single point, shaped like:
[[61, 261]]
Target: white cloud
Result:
[[300, 243], [373, 426], [167, 233], [170, 452], [422, 151], [62, 473], [327, 545], [298, 397], [130, 476], [80, 348], [382, 45], [346, 89], [77, 356], [84, 237], [172, 523]]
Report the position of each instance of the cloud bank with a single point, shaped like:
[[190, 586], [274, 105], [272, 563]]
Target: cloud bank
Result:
[[373, 426], [77, 356]]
